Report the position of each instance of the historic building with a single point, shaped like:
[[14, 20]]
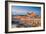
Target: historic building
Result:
[[30, 19]]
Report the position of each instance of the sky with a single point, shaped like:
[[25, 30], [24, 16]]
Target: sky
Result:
[[22, 10]]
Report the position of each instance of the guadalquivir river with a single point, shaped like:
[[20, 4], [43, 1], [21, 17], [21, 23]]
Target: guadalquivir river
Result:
[[18, 23]]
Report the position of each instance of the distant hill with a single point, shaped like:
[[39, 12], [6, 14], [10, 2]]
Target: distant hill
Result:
[[32, 14]]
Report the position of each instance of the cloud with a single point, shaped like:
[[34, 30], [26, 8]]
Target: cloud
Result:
[[19, 12]]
